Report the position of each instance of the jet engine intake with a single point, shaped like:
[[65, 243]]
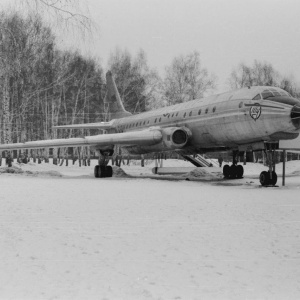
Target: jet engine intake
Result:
[[175, 137], [295, 116]]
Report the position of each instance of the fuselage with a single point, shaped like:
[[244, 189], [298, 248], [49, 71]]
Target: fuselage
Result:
[[249, 115]]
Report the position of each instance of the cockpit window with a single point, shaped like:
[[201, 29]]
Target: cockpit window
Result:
[[276, 94], [266, 94], [257, 97]]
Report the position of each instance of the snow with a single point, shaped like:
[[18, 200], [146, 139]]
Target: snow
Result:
[[72, 236]]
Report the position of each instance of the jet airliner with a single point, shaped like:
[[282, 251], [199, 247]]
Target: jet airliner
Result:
[[251, 118]]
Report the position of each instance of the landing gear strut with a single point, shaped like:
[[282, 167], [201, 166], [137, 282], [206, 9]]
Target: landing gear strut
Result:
[[269, 177], [234, 171], [102, 170]]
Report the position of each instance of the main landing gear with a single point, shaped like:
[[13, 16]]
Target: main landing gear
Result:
[[267, 178], [103, 170], [234, 171]]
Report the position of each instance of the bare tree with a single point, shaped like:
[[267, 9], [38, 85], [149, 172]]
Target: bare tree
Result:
[[186, 79], [136, 82], [66, 15], [261, 73]]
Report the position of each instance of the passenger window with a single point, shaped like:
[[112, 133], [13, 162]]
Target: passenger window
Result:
[[257, 97], [190, 114], [155, 120], [176, 114], [214, 109], [206, 111], [241, 105], [184, 115], [159, 119], [199, 112], [172, 115]]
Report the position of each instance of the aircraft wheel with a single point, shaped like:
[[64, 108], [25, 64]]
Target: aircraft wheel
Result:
[[273, 181], [239, 171], [109, 171], [226, 171], [233, 172], [264, 178], [102, 171], [96, 171]]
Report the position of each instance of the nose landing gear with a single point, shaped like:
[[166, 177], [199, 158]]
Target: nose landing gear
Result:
[[269, 178]]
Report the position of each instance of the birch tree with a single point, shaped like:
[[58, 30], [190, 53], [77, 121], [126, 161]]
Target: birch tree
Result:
[[186, 79]]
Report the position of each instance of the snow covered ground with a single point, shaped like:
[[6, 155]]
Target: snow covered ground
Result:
[[78, 237]]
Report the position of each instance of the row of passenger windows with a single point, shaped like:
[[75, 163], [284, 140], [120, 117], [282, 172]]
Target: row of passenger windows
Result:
[[158, 120]]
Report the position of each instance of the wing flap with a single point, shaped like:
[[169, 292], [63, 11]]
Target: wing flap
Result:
[[142, 138]]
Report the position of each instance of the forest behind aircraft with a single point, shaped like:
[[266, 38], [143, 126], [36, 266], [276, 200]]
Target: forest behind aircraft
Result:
[[253, 118]]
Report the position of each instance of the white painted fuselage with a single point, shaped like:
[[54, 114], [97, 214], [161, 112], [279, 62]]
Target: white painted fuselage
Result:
[[228, 120]]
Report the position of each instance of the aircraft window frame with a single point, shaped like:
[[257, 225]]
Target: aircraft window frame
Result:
[[257, 97], [190, 114], [265, 94]]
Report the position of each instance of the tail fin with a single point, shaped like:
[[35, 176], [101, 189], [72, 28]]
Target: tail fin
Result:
[[113, 105]]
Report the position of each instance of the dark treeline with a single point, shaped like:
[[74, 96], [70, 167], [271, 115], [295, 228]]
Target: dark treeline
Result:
[[42, 86]]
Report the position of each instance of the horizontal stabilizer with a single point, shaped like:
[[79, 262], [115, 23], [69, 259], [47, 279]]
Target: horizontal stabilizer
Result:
[[141, 138], [99, 125]]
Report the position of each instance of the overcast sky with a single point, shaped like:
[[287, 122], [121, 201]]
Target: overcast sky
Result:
[[224, 32]]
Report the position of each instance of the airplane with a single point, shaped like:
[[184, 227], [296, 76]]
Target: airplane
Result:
[[252, 118]]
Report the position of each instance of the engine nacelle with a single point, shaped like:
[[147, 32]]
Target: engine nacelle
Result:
[[175, 137], [172, 138]]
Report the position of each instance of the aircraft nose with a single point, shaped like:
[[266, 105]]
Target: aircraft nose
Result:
[[295, 116]]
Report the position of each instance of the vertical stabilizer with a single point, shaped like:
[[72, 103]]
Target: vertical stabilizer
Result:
[[113, 105]]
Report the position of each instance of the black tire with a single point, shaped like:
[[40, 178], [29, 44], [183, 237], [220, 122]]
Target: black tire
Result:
[[264, 178], [239, 171], [273, 181], [226, 171], [109, 171], [101, 172], [96, 171], [233, 172]]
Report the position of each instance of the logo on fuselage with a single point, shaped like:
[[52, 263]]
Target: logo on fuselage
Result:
[[255, 111]]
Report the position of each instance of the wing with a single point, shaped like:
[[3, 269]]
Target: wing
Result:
[[99, 125], [142, 138]]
